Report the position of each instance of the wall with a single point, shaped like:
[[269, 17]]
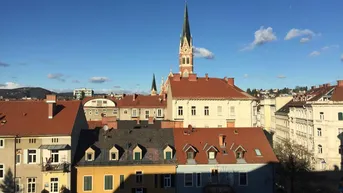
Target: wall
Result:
[[140, 112], [95, 107], [260, 176], [7, 155], [242, 115], [63, 180], [281, 101]]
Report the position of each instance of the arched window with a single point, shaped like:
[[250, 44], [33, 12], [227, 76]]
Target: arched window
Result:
[[320, 149], [187, 60], [183, 60]]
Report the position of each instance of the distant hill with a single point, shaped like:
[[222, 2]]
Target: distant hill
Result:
[[31, 92]]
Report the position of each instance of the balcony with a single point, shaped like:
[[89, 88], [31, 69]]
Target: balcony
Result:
[[56, 167]]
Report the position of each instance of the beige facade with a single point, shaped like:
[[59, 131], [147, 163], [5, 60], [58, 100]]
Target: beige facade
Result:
[[129, 113], [98, 107]]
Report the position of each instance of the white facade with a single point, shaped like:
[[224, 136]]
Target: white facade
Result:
[[78, 93]]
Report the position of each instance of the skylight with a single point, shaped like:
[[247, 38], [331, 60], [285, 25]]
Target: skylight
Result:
[[258, 152]]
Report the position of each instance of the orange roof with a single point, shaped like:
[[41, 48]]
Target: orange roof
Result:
[[94, 124], [203, 138], [30, 118], [142, 101], [206, 88], [337, 94]]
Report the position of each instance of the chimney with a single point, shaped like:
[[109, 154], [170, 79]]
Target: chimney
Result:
[[51, 100], [176, 77], [313, 87], [231, 81], [340, 83], [164, 96], [206, 76], [134, 97], [222, 140], [151, 120], [192, 77]]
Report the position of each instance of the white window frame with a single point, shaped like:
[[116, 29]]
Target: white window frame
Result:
[[2, 143], [19, 161], [319, 132], [134, 113], [320, 149], [180, 110], [194, 111], [83, 183], [32, 155], [116, 156], [3, 171], [91, 153], [184, 181], [239, 178], [105, 182], [139, 176], [211, 155], [53, 154], [232, 111], [32, 184], [258, 152], [167, 180], [54, 183], [147, 114], [321, 115], [159, 113], [206, 110]]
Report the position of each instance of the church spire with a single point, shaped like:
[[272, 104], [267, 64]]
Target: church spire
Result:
[[186, 31], [153, 86]]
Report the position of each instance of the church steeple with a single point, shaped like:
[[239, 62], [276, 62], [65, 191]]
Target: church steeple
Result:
[[186, 47], [153, 86]]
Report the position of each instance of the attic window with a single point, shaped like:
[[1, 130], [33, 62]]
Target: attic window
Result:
[[211, 155], [113, 156], [190, 152], [89, 156], [168, 153], [190, 155], [239, 154], [137, 153], [258, 152]]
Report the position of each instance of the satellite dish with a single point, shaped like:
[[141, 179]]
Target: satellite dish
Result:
[[105, 127]]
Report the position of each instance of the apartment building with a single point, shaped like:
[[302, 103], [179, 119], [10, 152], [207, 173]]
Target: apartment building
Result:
[[39, 141], [315, 121], [135, 156], [80, 93], [97, 107]]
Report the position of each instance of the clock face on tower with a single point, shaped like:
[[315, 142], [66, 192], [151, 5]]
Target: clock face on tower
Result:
[[186, 49]]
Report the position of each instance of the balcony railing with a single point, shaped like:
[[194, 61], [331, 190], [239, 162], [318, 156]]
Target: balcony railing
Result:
[[56, 167]]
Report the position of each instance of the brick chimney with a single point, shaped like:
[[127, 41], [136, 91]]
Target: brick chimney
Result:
[[221, 140], [151, 120], [206, 76], [134, 97], [192, 77], [51, 101], [340, 83], [231, 81], [164, 96], [176, 77]]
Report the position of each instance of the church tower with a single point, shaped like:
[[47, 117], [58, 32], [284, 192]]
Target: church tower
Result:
[[186, 48], [153, 90]]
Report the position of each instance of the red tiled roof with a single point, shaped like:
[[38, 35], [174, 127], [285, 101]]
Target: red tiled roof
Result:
[[337, 94], [142, 101], [30, 118], [319, 92], [206, 88], [94, 124], [249, 138]]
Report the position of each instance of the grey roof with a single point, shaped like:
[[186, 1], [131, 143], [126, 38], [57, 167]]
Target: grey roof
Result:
[[153, 85], [152, 141]]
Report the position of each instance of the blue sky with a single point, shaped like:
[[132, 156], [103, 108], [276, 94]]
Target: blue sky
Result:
[[63, 44]]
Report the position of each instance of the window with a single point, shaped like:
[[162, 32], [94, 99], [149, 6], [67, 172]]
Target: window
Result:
[[90, 112], [87, 183], [156, 180], [18, 185], [320, 149], [125, 111], [104, 102], [258, 152], [2, 143], [180, 111], [321, 115], [54, 140], [147, 114], [32, 156], [139, 177], [190, 155], [188, 180], [159, 112], [198, 179], [89, 156], [121, 186], [211, 155], [214, 175], [243, 179], [17, 140], [17, 158], [187, 60], [168, 155], [239, 155], [32, 140], [206, 111], [54, 156], [137, 156], [232, 110], [113, 156], [183, 60], [220, 126], [340, 116], [54, 185], [319, 132], [167, 180], [114, 111], [31, 185], [134, 112], [219, 110], [2, 171], [139, 190], [96, 111], [193, 111], [108, 182]]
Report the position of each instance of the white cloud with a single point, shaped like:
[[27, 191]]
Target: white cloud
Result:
[[306, 34], [314, 53], [281, 76], [97, 79], [203, 53], [10, 85], [262, 36], [56, 76]]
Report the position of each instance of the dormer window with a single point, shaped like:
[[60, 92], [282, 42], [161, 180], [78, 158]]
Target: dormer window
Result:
[[190, 151], [211, 155], [168, 153], [137, 153], [114, 156], [89, 157], [114, 153], [240, 152], [211, 152], [190, 155]]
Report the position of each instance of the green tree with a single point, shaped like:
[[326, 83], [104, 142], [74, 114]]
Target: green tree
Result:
[[7, 185], [249, 91], [82, 95]]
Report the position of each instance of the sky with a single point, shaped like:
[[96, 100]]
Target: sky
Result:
[[112, 45]]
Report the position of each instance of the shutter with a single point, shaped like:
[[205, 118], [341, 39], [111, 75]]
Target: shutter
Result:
[[38, 158], [162, 180], [25, 156], [172, 180]]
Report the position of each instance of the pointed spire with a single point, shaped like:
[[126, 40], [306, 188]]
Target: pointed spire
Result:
[[186, 31], [153, 86]]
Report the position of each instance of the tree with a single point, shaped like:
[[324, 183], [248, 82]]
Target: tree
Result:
[[82, 95], [7, 185], [294, 159], [249, 91]]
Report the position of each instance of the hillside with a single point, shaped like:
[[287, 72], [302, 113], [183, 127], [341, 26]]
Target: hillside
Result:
[[31, 92]]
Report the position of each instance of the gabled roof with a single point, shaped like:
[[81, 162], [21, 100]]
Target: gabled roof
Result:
[[211, 88], [142, 101], [30, 118], [249, 138]]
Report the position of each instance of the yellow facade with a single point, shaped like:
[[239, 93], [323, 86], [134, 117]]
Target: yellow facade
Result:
[[151, 179], [63, 179]]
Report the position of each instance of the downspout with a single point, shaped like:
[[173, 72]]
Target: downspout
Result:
[[15, 162]]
